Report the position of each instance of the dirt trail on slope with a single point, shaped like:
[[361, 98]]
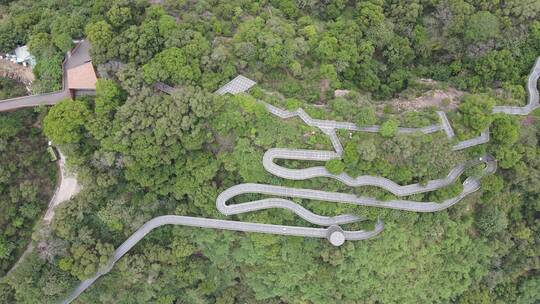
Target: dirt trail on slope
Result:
[[443, 99], [68, 187]]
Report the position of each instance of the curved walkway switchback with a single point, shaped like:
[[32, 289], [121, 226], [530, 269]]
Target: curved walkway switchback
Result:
[[365, 180]]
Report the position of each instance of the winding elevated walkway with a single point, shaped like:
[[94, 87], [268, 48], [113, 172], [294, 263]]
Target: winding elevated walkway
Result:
[[329, 127], [333, 232], [470, 185], [332, 124]]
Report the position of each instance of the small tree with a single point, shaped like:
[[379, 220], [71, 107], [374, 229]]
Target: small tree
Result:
[[482, 26], [328, 71], [40, 45], [108, 96], [491, 220], [505, 130], [366, 116], [367, 150], [476, 111], [100, 34], [507, 157], [63, 41], [65, 121], [350, 154], [4, 248], [389, 128], [335, 166]]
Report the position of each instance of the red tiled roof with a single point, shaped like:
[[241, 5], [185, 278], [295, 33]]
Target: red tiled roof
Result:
[[82, 77]]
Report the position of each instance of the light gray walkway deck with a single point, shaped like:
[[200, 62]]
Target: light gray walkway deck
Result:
[[237, 85], [482, 139], [470, 185], [33, 101], [341, 125], [446, 124]]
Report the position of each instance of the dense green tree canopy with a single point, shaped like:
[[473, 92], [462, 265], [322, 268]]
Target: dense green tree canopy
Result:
[[26, 183], [481, 26], [140, 153], [65, 122], [476, 111], [505, 130], [389, 128]]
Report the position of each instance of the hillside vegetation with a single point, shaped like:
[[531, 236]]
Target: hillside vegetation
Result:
[[10, 88], [141, 153], [27, 179]]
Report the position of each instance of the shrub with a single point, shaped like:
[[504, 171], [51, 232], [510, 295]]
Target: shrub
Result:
[[335, 166], [389, 128]]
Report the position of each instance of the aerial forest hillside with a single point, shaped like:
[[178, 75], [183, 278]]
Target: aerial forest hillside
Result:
[[140, 153], [27, 180]]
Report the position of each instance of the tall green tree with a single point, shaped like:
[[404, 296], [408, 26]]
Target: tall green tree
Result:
[[64, 124]]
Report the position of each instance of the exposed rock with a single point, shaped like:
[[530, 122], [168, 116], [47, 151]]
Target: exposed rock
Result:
[[341, 93]]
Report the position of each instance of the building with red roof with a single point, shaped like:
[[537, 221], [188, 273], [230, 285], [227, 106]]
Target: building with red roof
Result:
[[80, 76]]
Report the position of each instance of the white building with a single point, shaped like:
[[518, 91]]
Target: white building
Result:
[[21, 56]]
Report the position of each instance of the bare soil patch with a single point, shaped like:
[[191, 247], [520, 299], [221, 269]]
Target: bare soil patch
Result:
[[16, 72], [444, 99]]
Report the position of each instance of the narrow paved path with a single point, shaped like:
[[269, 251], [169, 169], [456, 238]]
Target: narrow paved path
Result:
[[446, 124], [482, 139], [66, 189]]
